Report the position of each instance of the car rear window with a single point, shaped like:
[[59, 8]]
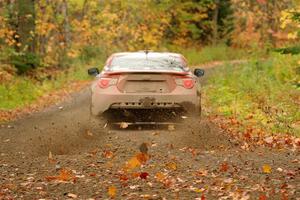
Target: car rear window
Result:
[[148, 62]]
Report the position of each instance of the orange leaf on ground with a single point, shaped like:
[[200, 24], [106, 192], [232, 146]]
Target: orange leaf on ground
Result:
[[262, 197], [93, 174], [64, 175], [135, 174], [112, 190], [224, 167], [136, 161], [142, 157], [123, 177], [132, 163], [107, 154], [267, 169], [160, 176]]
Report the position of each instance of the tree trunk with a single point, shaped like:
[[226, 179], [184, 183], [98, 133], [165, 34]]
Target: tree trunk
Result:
[[66, 23], [215, 23], [26, 25]]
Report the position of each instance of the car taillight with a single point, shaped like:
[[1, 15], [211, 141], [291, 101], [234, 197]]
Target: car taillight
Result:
[[106, 82], [187, 83]]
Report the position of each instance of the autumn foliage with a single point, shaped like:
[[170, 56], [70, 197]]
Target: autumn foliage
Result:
[[53, 33]]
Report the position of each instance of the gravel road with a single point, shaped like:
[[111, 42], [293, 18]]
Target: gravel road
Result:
[[57, 154]]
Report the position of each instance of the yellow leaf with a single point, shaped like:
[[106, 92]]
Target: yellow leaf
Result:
[[199, 190], [112, 191], [160, 176], [132, 163], [172, 166], [267, 169]]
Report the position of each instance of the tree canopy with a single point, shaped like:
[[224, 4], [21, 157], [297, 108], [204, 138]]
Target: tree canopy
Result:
[[44, 33]]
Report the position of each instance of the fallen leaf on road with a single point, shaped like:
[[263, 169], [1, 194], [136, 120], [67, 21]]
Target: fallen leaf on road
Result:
[[123, 177], [132, 163], [192, 151], [135, 175], [144, 175], [203, 197], [199, 190], [136, 161], [171, 166], [107, 154], [70, 195], [267, 169], [160, 176], [65, 175], [112, 190], [142, 157], [262, 197], [224, 167]]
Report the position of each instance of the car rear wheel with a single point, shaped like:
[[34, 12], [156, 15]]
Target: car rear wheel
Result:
[[96, 120]]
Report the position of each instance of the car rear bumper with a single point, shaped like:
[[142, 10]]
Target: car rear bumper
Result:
[[102, 101]]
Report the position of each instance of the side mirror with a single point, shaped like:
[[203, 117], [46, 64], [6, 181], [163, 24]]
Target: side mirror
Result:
[[199, 72], [93, 71]]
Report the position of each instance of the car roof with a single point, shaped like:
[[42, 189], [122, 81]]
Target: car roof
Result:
[[142, 54], [146, 54]]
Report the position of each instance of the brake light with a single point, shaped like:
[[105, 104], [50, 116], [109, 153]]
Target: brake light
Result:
[[187, 83], [106, 82]]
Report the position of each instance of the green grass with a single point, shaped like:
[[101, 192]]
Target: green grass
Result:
[[266, 90], [22, 91], [214, 53]]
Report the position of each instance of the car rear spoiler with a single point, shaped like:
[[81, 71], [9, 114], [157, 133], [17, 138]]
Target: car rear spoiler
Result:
[[143, 72]]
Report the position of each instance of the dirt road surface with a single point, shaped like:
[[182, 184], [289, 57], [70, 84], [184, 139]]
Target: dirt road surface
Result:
[[56, 154]]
